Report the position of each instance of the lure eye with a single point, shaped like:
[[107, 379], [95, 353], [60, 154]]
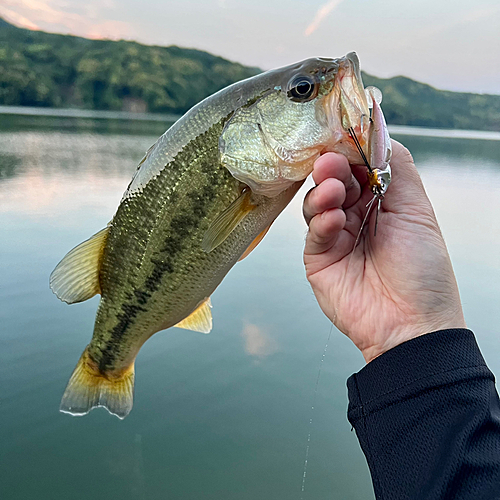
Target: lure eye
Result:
[[303, 88]]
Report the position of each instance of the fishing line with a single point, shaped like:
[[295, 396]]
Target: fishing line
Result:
[[359, 148], [315, 394], [369, 207]]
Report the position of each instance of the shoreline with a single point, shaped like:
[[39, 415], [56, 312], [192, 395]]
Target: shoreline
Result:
[[86, 113], [169, 118]]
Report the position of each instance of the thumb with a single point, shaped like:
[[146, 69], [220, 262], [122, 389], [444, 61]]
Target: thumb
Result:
[[406, 193]]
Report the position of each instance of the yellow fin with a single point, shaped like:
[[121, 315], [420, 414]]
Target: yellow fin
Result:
[[200, 320], [76, 277], [226, 221], [88, 388], [254, 243]]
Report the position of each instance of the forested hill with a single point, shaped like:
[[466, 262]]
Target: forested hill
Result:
[[45, 69]]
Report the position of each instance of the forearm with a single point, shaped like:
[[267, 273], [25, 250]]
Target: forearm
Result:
[[427, 416]]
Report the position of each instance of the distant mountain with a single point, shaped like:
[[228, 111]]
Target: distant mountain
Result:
[[46, 69], [407, 102]]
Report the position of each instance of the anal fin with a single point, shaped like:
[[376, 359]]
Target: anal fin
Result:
[[200, 320], [76, 277]]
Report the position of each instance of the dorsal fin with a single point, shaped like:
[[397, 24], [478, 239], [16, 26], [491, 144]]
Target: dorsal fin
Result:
[[200, 320], [254, 243], [76, 277], [227, 220]]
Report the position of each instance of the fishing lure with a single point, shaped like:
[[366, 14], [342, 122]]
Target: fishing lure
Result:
[[379, 152]]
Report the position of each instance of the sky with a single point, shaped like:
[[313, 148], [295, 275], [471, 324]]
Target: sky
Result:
[[450, 44]]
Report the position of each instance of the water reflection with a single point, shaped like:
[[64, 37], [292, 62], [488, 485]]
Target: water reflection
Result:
[[50, 153], [257, 341], [443, 152], [45, 174], [20, 123], [223, 415]]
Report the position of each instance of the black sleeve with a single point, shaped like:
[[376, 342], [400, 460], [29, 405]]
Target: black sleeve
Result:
[[427, 416]]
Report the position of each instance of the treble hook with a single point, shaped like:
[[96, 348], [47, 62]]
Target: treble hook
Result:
[[375, 184]]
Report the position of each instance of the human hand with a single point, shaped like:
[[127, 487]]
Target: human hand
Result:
[[398, 284]]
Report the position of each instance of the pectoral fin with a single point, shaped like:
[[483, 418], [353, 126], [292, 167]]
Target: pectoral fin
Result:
[[76, 277], [254, 243], [227, 221], [200, 320]]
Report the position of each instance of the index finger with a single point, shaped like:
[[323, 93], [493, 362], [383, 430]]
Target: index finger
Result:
[[335, 165]]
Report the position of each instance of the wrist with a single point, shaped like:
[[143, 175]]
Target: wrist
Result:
[[374, 351], [407, 333]]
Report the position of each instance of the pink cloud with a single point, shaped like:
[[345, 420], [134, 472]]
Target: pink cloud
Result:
[[16, 18], [321, 14], [88, 19]]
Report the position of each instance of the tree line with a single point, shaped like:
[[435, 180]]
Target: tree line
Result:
[[51, 70]]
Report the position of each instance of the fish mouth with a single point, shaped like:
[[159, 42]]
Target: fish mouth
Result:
[[347, 111]]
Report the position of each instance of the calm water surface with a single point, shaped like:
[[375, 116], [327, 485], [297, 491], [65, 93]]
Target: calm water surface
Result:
[[221, 416]]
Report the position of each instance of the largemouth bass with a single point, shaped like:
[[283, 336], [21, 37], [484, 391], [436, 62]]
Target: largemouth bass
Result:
[[202, 198]]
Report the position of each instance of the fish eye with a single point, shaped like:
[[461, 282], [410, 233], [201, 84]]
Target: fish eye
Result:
[[303, 88]]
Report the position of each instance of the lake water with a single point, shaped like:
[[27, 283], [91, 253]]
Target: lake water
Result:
[[223, 416]]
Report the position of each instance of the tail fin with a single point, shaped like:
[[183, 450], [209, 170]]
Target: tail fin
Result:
[[88, 388]]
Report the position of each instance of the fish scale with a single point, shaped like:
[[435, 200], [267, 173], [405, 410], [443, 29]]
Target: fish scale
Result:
[[171, 246]]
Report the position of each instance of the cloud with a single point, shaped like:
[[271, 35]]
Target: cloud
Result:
[[322, 12], [257, 342], [87, 19], [16, 18]]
